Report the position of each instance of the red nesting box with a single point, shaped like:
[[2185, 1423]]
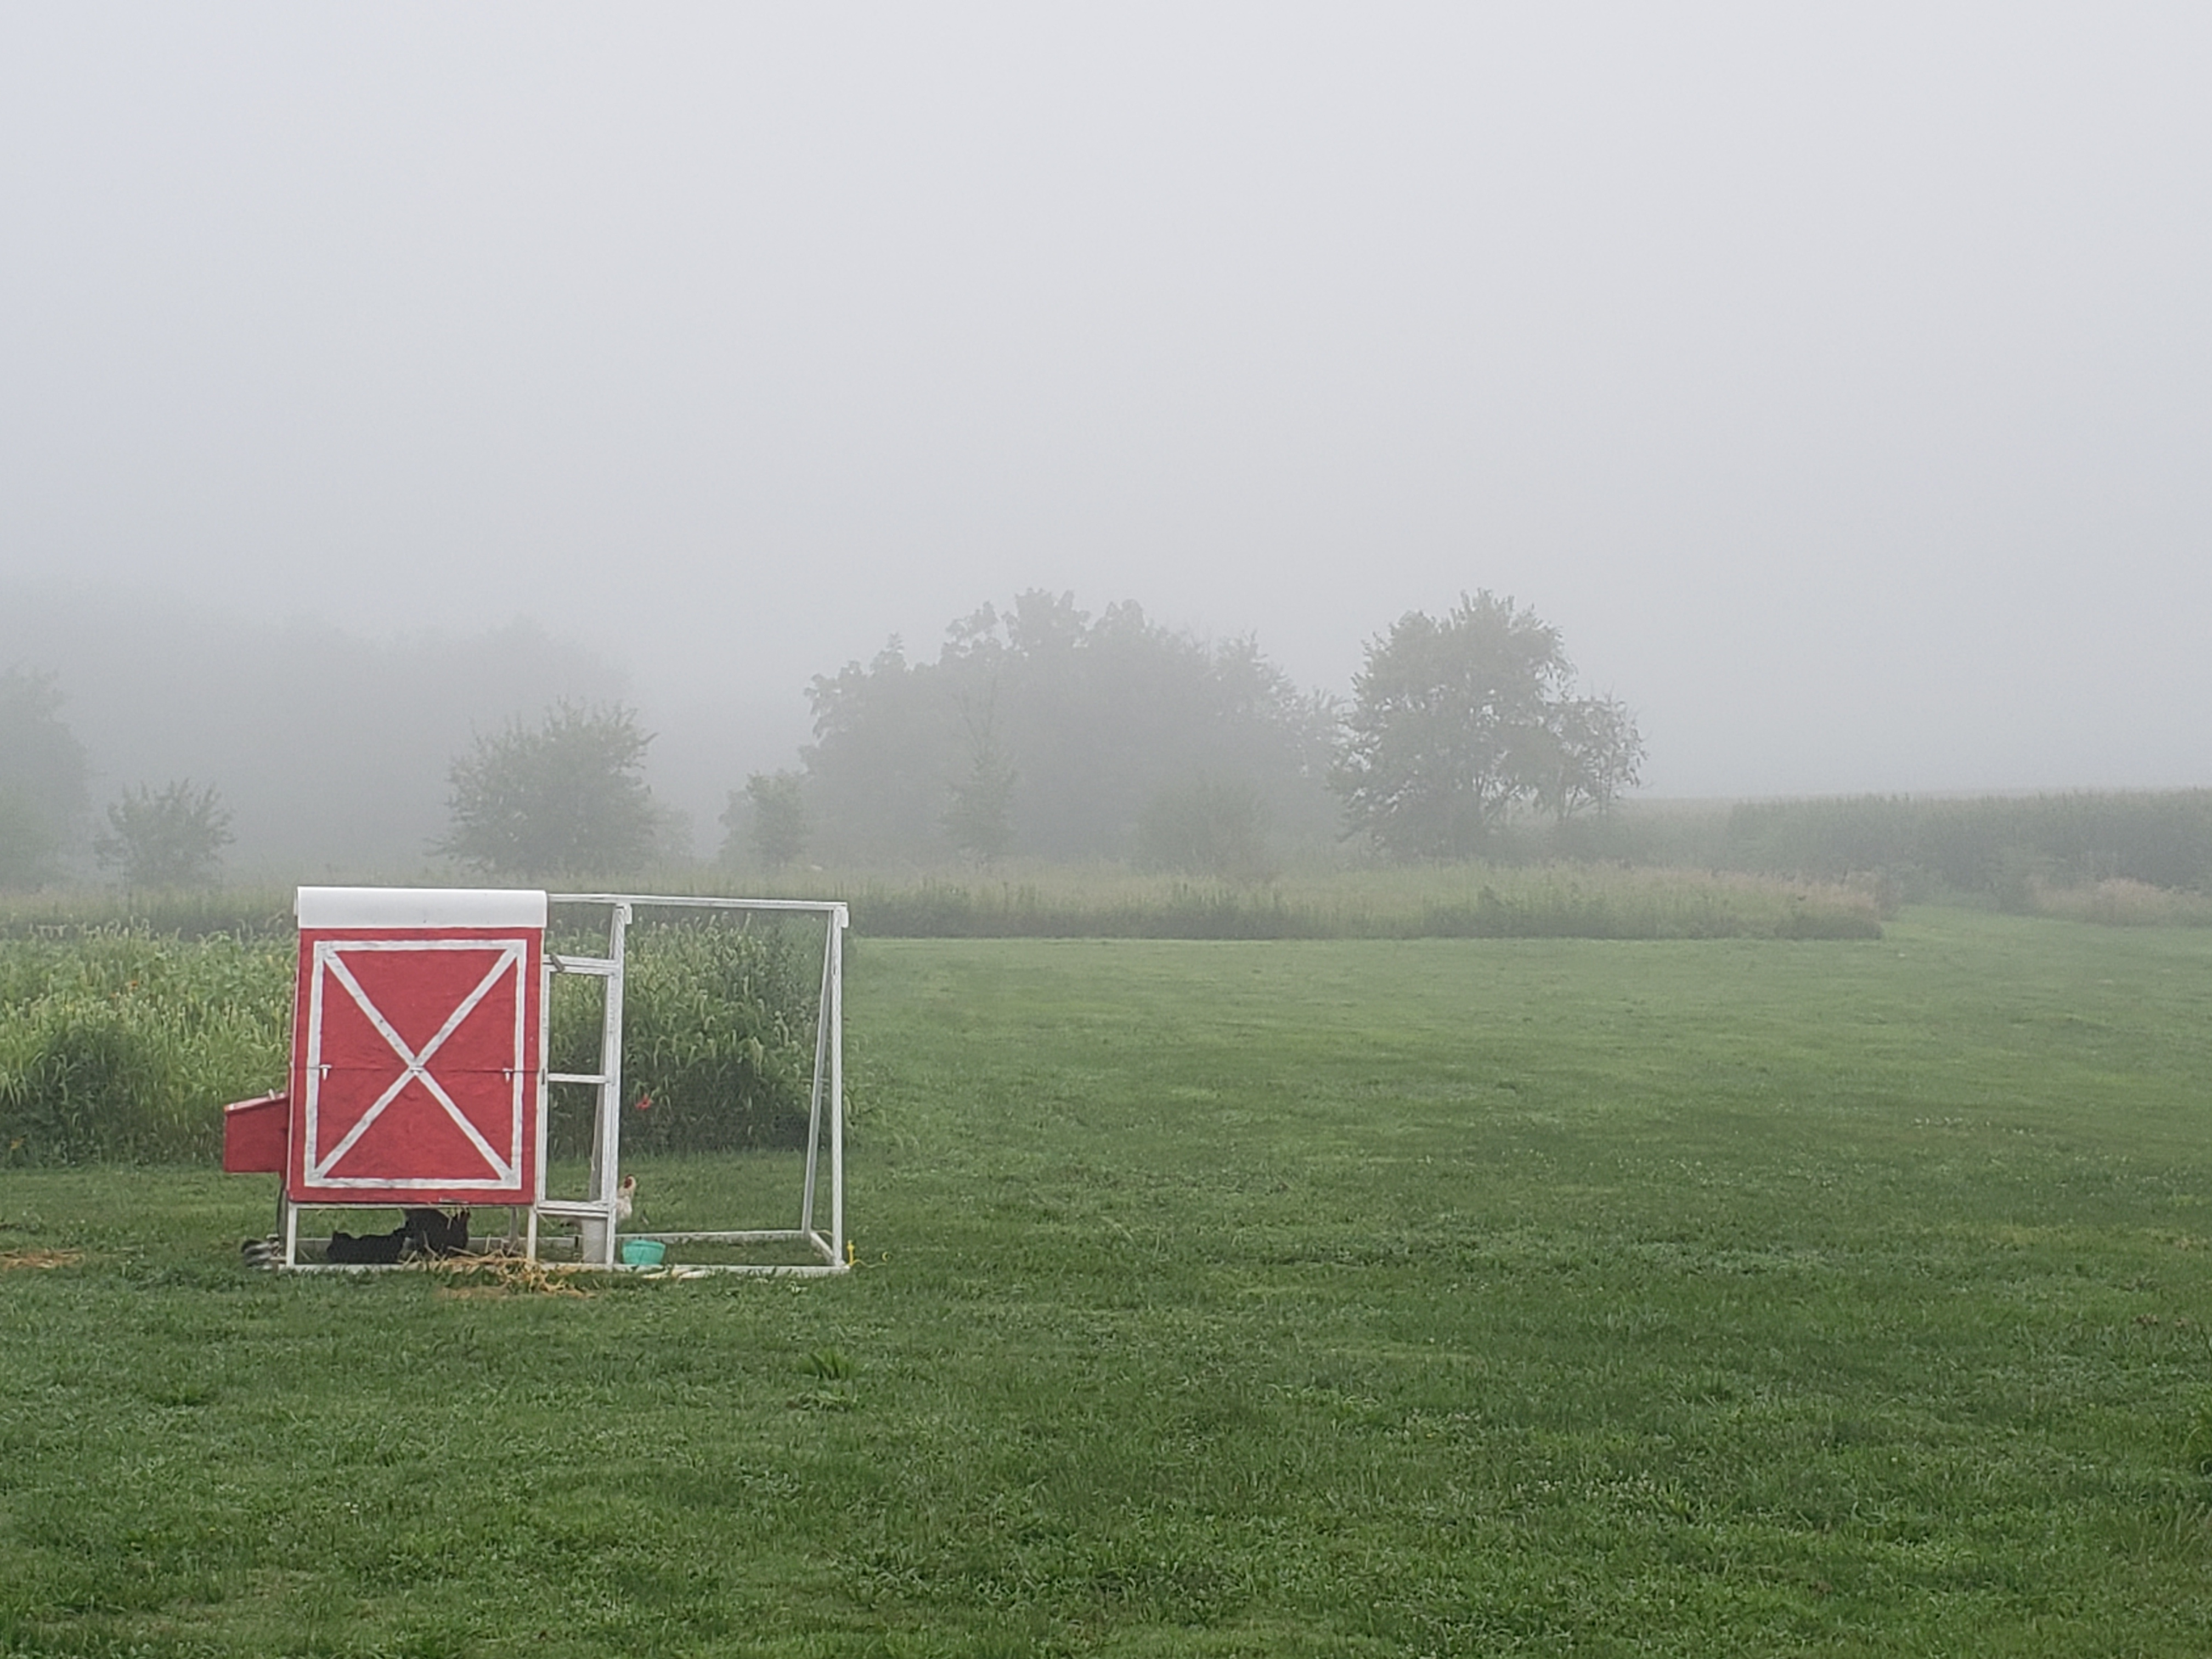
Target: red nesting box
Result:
[[417, 1042], [255, 1133]]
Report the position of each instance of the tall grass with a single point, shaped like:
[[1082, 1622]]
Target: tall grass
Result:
[[1435, 901], [1562, 900], [246, 913], [119, 1044], [718, 1038]]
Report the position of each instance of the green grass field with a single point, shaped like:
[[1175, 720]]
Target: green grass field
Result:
[[1427, 1296]]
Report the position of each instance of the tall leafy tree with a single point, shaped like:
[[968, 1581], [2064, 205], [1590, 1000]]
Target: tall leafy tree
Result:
[[172, 837], [1455, 721], [44, 797], [565, 798]]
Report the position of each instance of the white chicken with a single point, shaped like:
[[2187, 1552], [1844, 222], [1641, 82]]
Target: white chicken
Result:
[[625, 1198]]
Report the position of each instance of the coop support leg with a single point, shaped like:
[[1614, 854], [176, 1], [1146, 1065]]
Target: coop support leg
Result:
[[606, 1151], [822, 1047], [835, 1015]]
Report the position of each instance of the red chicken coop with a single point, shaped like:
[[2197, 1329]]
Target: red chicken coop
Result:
[[419, 1080], [417, 1048]]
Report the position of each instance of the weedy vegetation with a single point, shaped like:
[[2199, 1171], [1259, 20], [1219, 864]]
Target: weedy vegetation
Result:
[[1429, 902], [1346, 1297], [119, 1044], [1058, 901], [718, 1045]]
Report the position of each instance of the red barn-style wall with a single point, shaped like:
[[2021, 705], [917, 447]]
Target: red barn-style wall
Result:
[[417, 1044]]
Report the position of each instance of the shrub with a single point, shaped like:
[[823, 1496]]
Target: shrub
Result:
[[173, 838]]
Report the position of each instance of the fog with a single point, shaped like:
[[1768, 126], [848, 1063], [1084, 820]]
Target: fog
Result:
[[1833, 377], [329, 752]]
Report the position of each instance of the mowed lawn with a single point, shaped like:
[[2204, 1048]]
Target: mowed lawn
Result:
[[1419, 1297]]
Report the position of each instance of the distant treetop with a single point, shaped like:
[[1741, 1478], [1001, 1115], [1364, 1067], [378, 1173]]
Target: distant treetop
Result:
[[567, 798], [1455, 722]]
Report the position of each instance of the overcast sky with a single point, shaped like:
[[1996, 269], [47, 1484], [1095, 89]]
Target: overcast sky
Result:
[[1835, 376]]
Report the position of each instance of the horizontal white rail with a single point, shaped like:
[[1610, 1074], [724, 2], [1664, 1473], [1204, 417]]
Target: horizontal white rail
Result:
[[812, 906]]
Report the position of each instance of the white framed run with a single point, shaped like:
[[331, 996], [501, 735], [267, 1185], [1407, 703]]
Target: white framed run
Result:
[[816, 1246]]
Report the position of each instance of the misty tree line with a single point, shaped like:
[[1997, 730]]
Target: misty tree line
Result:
[[1040, 731], [1036, 731], [172, 836]]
